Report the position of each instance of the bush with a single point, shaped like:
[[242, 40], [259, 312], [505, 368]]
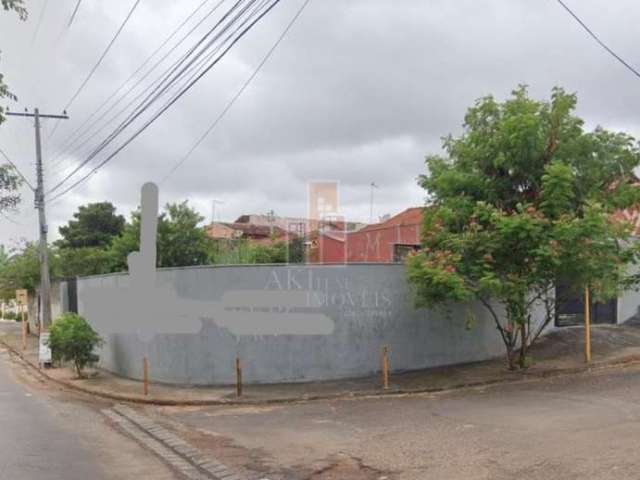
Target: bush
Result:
[[17, 316], [73, 340]]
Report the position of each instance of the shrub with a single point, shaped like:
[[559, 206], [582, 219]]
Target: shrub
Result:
[[73, 340], [17, 316]]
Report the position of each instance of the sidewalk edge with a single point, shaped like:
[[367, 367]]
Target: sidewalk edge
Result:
[[551, 373]]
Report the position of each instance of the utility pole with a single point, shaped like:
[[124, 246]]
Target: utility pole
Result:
[[271, 217], [214, 202], [45, 281], [373, 185]]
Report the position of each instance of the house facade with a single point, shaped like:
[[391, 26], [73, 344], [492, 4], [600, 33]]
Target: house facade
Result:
[[386, 242], [260, 234]]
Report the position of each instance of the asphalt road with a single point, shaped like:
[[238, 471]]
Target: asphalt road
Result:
[[574, 427], [48, 434]]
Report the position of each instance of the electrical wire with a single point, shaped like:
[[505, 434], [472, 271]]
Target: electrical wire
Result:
[[169, 104], [75, 11], [192, 67], [81, 131], [597, 39], [167, 80], [233, 100], [97, 64], [17, 170], [40, 17]]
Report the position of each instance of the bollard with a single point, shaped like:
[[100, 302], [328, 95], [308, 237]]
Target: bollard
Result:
[[145, 374], [385, 367], [238, 377]]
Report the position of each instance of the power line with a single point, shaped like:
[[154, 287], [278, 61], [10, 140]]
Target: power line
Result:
[[167, 80], [193, 68], [597, 39], [75, 11], [156, 83], [17, 169], [167, 105], [97, 64], [40, 17], [233, 100], [76, 135], [11, 220]]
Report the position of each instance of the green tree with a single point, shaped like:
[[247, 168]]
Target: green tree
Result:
[[72, 262], [21, 270], [523, 200], [94, 225], [18, 7], [9, 179], [180, 241], [9, 183], [239, 252]]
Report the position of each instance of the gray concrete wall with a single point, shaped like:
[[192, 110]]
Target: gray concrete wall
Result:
[[370, 306]]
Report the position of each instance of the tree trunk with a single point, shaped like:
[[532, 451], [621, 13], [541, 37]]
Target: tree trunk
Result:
[[523, 347], [511, 358], [78, 370]]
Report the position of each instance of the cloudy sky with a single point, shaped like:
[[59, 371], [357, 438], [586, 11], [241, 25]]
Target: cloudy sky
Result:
[[358, 92]]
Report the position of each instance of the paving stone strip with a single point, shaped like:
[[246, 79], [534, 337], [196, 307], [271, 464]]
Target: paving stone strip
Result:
[[176, 461], [192, 462]]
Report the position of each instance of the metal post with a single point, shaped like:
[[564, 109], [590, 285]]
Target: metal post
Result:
[[145, 375], [238, 377], [587, 326], [385, 367]]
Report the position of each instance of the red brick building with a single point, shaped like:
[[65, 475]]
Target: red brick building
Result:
[[385, 242]]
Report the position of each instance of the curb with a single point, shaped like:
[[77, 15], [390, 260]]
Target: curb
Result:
[[526, 377]]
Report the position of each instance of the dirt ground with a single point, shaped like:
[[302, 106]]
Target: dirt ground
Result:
[[573, 427]]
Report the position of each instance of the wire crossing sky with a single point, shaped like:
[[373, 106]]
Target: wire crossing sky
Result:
[[358, 92], [213, 46]]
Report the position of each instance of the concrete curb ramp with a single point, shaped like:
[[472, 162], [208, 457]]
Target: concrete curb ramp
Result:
[[188, 460]]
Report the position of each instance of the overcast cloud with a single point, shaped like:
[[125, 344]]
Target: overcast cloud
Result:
[[359, 91]]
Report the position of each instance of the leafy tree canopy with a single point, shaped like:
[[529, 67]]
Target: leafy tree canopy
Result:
[[524, 199], [9, 179], [9, 183], [94, 225], [181, 242], [20, 269]]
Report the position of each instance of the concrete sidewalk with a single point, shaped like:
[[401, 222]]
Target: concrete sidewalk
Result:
[[558, 353]]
